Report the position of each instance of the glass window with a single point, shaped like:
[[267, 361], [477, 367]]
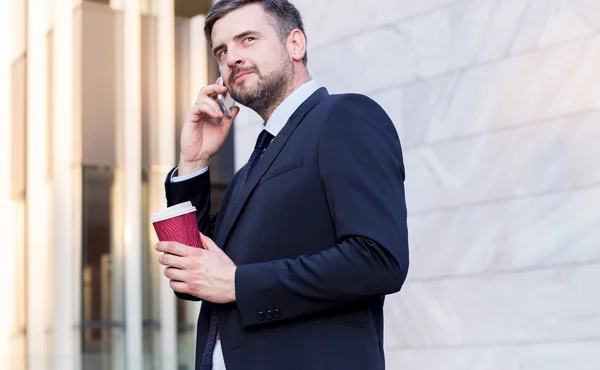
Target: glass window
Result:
[[103, 324], [190, 8], [150, 284], [18, 196], [18, 128]]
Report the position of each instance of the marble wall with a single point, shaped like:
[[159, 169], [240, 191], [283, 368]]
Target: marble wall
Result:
[[497, 103]]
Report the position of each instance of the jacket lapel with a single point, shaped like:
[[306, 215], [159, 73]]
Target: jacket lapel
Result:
[[235, 207]]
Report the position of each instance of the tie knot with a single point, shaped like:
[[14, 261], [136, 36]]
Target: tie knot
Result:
[[263, 140]]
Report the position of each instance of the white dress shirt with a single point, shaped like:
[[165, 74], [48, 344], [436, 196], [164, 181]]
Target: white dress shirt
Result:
[[274, 125]]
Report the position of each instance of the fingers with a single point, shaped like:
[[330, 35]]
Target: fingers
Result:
[[210, 245], [207, 242], [175, 274], [227, 121], [175, 248], [209, 107], [171, 260], [179, 286], [206, 101], [212, 90]]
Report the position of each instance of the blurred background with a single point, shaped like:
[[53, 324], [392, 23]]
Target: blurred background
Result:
[[497, 104]]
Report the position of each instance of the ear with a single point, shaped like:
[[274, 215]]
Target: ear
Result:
[[296, 45]]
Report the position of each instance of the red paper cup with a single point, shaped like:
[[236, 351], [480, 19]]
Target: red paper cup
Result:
[[178, 223]]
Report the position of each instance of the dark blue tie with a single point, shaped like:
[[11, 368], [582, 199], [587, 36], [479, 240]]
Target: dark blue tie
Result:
[[263, 141]]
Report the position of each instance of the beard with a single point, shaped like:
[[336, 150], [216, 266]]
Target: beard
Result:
[[269, 91]]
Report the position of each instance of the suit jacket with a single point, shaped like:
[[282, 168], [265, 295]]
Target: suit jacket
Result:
[[319, 235]]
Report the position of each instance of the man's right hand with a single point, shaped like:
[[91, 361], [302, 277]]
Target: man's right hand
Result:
[[201, 135]]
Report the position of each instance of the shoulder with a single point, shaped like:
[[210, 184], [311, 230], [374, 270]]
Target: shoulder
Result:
[[353, 113], [351, 102], [354, 127]]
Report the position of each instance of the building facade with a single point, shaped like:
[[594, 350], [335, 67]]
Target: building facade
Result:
[[497, 103], [93, 96]]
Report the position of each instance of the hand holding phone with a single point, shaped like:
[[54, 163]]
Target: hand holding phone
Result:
[[221, 101], [205, 128]]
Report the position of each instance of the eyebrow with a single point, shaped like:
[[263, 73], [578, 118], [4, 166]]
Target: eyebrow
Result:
[[236, 38]]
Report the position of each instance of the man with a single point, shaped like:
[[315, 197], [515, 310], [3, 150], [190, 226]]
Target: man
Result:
[[312, 231]]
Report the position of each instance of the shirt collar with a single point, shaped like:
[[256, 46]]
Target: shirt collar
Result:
[[285, 110]]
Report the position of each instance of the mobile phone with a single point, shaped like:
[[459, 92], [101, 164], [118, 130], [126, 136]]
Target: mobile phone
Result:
[[221, 101]]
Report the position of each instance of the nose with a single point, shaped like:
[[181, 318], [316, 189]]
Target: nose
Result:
[[234, 59]]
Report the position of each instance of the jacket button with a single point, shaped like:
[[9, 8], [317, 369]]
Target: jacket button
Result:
[[269, 314], [260, 316], [276, 312]]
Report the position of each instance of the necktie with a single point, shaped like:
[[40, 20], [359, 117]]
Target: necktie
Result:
[[263, 141]]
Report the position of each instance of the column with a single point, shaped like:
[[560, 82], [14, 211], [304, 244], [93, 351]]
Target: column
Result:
[[117, 229], [7, 273], [118, 299], [66, 192], [198, 57], [198, 78], [165, 159], [38, 189], [133, 182]]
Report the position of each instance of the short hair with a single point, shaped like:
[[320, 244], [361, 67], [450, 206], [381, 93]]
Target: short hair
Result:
[[282, 14]]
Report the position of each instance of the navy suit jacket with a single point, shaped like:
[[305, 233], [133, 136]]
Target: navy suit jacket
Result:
[[319, 235]]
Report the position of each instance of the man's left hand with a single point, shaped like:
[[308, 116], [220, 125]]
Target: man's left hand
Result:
[[207, 273]]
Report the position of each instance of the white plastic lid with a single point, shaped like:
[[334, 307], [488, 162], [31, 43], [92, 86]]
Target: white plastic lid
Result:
[[173, 211]]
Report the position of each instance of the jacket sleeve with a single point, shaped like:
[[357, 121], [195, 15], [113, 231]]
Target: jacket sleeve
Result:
[[361, 166], [196, 190]]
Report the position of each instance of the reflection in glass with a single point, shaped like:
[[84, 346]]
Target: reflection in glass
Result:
[[19, 339], [102, 327], [98, 1], [150, 285], [17, 183]]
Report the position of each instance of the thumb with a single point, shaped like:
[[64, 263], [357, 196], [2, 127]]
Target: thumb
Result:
[[208, 243], [227, 121]]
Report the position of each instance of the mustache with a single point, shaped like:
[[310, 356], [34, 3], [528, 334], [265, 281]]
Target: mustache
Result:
[[236, 71]]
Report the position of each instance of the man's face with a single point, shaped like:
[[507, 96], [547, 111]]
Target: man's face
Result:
[[254, 63]]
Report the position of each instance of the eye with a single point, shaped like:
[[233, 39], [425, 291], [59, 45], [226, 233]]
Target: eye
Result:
[[221, 53], [249, 39]]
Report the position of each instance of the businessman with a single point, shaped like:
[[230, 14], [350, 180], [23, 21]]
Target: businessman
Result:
[[312, 233]]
